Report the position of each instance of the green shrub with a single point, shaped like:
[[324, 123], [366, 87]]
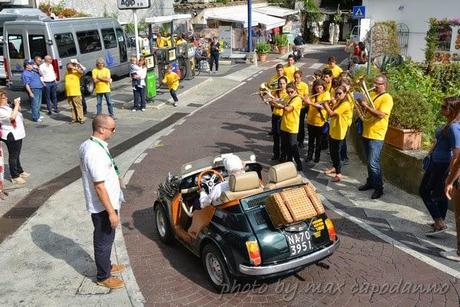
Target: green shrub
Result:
[[411, 112], [281, 40], [446, 77], [263, 47]]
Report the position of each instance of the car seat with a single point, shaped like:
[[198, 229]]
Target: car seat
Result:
[[242, 185], [283, 175]]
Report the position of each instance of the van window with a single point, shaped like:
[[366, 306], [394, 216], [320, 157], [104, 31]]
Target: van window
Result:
[[37, 46], [65, 44], [108, 36], [89, 41], [15, 46]]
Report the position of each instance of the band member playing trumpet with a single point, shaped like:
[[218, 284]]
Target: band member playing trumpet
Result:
[[302, 92], [340, 112], [290, 126], [316, 119], [281, 96], [290, 68], [374, 131]]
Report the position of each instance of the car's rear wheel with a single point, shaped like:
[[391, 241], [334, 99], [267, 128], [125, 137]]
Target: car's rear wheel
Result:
[[162, 225], [216, 268]]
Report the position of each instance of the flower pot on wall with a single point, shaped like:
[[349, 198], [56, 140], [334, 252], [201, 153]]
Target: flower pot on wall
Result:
[[262, 57], [404, 139]]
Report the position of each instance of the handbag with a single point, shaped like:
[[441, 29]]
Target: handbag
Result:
[[426, 162], [325, 128]]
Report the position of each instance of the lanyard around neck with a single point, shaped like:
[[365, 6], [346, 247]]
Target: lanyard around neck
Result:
[[108, 154]]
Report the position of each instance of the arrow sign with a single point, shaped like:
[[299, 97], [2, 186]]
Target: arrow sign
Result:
[[359, 12]]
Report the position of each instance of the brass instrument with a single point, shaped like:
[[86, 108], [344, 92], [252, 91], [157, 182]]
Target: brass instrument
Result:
[[362, 114], [264, 91], [366, 92]]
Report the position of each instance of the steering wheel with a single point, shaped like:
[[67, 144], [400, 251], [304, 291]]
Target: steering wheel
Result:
[[215, 178]]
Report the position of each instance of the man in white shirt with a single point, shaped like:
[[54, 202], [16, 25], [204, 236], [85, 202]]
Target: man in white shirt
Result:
[[48, 77], [103, 197]]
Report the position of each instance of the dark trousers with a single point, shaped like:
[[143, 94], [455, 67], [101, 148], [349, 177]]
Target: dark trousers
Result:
[[103, 237], [50, 96], [139, 97], [432, 189], [214, 58], [301, 134], [314, 142], [173, 95], [276, 133], [83, 104], [373, 150], [344, 149], [289, 146], [14, 151], [334, 149]]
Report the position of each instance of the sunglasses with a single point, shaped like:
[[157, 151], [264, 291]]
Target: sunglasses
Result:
[[378, 83], [339, 93], [290, 92]]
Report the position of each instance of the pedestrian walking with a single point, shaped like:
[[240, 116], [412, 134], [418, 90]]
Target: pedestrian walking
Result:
[[339, 111], [374, 133], [102, 80], [103, 195], [172, 80], [447, 138], [139, 74], [34, 87], [214, 50], [12, 134], [281, 98], [73, 91], [302, 91], [49, 79]]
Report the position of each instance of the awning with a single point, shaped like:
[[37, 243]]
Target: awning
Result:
[[240, 14], [168, 18], [275, 11]]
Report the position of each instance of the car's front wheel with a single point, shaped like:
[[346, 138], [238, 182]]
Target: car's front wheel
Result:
[[162, 225], [216, 269]]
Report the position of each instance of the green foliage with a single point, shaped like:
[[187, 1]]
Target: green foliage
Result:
[[281, 40], [447, 77], [263, 47], [385, 39], [411, 112], [141, 27], [431, 43], [60, 10], [338, 17]]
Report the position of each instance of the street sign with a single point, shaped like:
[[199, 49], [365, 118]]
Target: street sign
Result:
[[359, 12], [133, 4]]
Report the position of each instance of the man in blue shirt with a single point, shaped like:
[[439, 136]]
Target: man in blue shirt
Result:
[[34, 87]]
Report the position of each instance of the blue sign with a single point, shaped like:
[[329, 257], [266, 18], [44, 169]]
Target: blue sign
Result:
[[359, 12]]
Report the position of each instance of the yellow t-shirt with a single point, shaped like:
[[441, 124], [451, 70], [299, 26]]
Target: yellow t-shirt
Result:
[[336, 70], [328, 87], [339, 123], [180, 41], [302, 90], [289, 72], [72, 84], [375, 128], [161, 42], [352, 105], [280, 94], [290, 120], [101, 86], [172, 80], [314, 117]]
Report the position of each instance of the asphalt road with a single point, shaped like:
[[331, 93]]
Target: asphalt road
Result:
[[364, 271]]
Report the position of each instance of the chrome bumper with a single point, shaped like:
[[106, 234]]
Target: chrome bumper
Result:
[[292, 264]]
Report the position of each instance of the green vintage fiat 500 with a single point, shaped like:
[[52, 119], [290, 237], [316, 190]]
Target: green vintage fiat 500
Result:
[[237, 239]]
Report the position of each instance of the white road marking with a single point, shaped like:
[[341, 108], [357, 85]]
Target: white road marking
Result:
[[316, 65], [168, 132], [249, 79], [395, 243], [127, 176], [140, 158]]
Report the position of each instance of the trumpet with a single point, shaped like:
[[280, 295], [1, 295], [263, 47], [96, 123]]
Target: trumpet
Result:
[[366, 92], [264, 92]]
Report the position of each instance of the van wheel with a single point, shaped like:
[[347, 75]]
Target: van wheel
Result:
[[87, 85], [216, 268]]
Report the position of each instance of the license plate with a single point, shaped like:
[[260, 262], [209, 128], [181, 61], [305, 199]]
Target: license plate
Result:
[[299, 242]]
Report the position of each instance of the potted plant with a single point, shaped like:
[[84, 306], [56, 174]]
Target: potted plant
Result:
[[282, 42], [262, 50], [410, 114]]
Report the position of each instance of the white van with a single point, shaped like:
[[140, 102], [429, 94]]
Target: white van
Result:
[[84, 39]]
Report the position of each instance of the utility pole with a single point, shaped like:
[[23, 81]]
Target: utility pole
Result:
[[249, 25]]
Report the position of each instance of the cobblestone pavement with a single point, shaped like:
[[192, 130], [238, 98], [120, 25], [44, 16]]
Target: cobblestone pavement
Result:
[[365, 270]]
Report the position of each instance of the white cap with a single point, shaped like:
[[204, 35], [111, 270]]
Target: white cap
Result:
[[233, 163]]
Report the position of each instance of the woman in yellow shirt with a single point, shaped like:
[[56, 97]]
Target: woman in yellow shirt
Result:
[[277, 112], [172, 80], [316, 119], [302, 91], [339, 113], [290, 126]]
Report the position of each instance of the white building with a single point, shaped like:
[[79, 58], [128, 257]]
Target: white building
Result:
[[415, 14]]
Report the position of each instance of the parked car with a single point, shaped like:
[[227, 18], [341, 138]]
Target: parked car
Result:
[[237, 239]]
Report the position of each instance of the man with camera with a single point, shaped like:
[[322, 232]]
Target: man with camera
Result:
[[73, 90]]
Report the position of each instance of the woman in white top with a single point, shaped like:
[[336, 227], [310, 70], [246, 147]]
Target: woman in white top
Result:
[[139, 89], [12, 133]]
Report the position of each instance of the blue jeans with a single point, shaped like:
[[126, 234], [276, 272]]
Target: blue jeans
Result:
[[99, 103], [50, 96], [373, 150], [173, 95], [35, 103], [139, 97], [432, 189]]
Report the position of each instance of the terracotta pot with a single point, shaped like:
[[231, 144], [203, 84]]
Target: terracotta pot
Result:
[[262, 57], [282, 49], [404, 139]]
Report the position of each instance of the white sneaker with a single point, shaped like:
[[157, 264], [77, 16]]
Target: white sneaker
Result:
[[41, 116], [39, 120], [143, 110], [133, 110], [451, 255], [175, 104]]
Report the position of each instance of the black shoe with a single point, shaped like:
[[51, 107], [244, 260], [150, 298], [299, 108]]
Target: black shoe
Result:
[[308, 159], [377, 194], [300, 145], [316, 160], [49, 113], [299, 168], [270, 133], [365, 187], [56, 111], [345, 162]]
